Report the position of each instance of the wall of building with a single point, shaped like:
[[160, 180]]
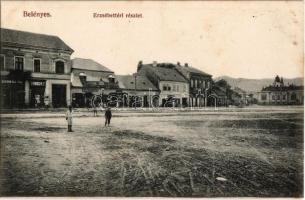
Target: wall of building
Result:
[[199, 82], [47, 74], [47, 64], [198, 85], [281, 97], [177, 90]]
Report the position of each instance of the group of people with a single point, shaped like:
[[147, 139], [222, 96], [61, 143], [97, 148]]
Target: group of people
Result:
[[69, 117]]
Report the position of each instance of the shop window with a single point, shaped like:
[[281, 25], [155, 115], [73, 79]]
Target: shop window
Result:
[[19, 63], [2, 62], [264, 97], [59, 67], [36, 65], [293, 96]]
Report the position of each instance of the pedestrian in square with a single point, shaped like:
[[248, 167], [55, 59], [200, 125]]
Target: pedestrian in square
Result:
[[95, 111], [69, 117], [108, 116]]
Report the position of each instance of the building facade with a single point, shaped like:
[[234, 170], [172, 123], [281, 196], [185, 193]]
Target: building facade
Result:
[[89, 79], [280, 94], [35, 70], [199, 84], [137, 91], [217, 96], [173, 87]]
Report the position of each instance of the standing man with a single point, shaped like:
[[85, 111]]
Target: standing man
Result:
[[69, 117], [108, 116]]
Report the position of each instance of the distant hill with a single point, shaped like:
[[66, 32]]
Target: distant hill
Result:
[[255, 85]]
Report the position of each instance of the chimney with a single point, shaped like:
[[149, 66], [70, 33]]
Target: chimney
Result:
[[186, 64], [155, 64], [178, 63]]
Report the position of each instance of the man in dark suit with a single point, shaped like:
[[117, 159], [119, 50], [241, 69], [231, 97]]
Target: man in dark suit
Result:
[[108, 116]]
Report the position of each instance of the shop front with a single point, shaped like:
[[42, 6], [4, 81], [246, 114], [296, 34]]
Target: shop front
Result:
[[37, 93], [12, 93]]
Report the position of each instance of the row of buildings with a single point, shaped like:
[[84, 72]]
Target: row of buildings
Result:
[[37, 71]]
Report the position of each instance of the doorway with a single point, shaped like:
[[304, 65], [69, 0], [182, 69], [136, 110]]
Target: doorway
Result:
[[59, 95]]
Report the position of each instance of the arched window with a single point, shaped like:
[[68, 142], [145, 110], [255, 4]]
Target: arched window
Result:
[[59, 67]]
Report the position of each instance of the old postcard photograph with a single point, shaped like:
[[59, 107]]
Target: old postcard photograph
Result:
[[152, 99]]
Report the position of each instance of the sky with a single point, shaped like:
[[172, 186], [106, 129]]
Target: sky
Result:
[[241, 39]]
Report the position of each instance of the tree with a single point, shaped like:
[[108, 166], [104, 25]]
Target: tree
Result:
[[223, 83], [229, 92]]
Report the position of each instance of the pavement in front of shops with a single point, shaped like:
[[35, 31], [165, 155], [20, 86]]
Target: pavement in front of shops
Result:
[[123, 112]]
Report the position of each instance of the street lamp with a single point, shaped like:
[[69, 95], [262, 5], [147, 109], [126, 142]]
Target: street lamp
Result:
[[102, 94]]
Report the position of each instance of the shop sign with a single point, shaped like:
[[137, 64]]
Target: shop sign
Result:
[[38, 83], [3, 81]]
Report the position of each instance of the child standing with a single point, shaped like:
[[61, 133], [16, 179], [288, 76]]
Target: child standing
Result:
[[69, 117], [95, 111]]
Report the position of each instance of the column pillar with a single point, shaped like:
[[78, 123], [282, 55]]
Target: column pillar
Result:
[[68, 94], [127, 100], [27, 93], [142, 103], [48, 92], [181, 102]]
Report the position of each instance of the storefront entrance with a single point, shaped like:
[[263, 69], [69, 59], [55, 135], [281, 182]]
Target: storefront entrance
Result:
[[184, 102], [37, 90], [59, 95]]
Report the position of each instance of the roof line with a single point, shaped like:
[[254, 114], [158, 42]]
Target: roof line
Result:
[[26, 45], [92, 70], [29, 32]]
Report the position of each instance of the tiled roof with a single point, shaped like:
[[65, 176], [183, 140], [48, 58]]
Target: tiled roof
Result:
[[187, 69], [165, 72], [28, 39], [88, 64], [128, 82]]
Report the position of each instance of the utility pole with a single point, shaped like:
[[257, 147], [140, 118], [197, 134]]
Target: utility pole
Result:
[[135, 89], [149, 93]]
